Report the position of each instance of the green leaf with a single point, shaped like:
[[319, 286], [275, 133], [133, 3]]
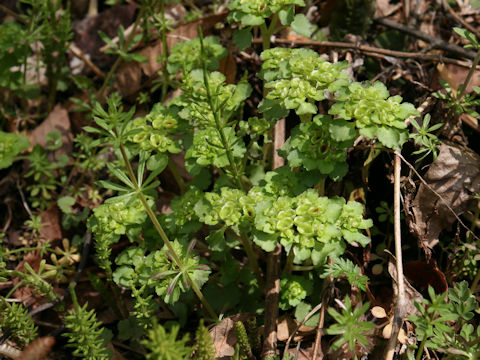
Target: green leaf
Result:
[[252, 20], [265, 241], [302, 310], [120, 175], [157, 162], [342, 130], [287, 15], [302, 26], [65, 204], [10, 146], [243, 38], [390, 137], [112, 186], [216, 240], [54, 140]]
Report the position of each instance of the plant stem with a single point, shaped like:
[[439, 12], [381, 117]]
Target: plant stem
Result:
[[252, 258], [118, 61], [164, 53], [219, 127], [469, 76], [400, 306], [162, 234], [420, 349], [176, 175], [289, 265], [469, 237]]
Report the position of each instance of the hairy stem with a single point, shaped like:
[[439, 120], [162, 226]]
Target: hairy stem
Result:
[[162, 234], [118, 61], [469, 76]]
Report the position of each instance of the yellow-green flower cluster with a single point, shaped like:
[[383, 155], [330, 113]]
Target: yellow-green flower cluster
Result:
[[187, 55], [154, 131], [115, 217], [208, 149], [293, 289], [374, 112], [305, 222], [299, 77], [254, 12]]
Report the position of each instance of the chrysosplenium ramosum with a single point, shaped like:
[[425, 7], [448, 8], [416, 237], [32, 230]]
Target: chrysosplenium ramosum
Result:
[[313, 226]]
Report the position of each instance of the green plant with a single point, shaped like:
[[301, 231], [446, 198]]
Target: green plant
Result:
[[84, 334], [460, 101], [10, 146], [204, 345], [350, 326], [15, 323], [433, 323], [163, 344], [344, 267], [249, 13], [425, 137]]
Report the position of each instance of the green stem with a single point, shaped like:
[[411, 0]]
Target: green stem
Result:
[[320, 187], [304, 268], [164, 53], [176, 175], [28, 249], [118, 61], [252, 258], [289, 265], [469, 237], [220, 131], [420, 349], [469, 76], [162, 234]]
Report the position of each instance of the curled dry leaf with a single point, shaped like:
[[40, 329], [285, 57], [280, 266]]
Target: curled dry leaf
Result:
[[38, 349], [455, 176], [287, 325], [411, 294], [223, 336]]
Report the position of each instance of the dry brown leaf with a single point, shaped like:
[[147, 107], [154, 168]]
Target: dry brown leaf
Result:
[[57, 120], [386, 8], [455, 176], [228, 67], [287, 325], [128, 79], [455, 75], [223, 336], [51, 229]]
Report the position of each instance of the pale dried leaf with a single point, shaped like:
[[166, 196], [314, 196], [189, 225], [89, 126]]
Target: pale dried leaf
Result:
[[378, 312]]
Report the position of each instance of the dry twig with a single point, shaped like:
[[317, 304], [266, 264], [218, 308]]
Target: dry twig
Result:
[[372, 50], [273, 263], [400, 305], [435, 42]]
